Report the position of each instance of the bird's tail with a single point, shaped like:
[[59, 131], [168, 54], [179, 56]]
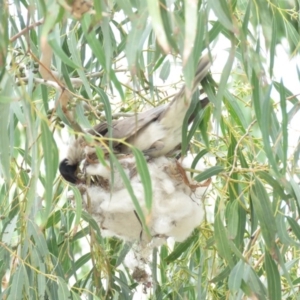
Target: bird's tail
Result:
[[180, 103]]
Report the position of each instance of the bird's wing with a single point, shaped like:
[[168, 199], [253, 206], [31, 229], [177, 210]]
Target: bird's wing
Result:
[[122, 129], [101, 129], [127, 127]]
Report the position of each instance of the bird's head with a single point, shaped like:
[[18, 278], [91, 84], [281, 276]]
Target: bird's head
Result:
[[68, 171]]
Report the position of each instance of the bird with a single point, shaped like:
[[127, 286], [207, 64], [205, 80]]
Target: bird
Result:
[[177, 199], [156, 132]]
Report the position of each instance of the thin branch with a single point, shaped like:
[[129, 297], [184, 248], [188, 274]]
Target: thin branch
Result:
[[237, 147], [292, 97], [49, 83], [48, 76], [26, 29], [250, 247], [76, 81]]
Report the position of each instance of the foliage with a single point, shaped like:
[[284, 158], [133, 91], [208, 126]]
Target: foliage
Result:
[[249, 245]]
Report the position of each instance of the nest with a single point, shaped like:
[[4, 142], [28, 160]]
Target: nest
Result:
[[177, 206]]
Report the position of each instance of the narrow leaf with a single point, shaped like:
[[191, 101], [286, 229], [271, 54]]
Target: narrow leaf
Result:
[[78, 206], [181, 248], [142, 167], [17, 284], [222, 11], [209, 173], [63, 290], [236, 276], [51, 165], [284, 125], [295, 227], [262, 207], [190, 14], [129, 188], [157, 24], [221, 239], [273, 278]]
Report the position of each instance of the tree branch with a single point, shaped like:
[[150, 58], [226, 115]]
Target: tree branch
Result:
[[26, 29]]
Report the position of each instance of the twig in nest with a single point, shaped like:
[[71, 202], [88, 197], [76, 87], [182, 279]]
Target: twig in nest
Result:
[[186, 181], [137, 216]]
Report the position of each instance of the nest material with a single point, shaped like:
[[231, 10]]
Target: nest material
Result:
[[177, 206]]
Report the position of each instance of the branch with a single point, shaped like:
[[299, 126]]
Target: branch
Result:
[[48, 76], [26, 29]]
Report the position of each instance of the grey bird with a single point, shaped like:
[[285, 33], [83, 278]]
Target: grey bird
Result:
[[156, 132]]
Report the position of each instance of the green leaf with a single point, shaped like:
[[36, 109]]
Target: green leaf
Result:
[[4, 37], [222, 275], [60, 53], [284, 125], [221, 239], [18, 281], [236, 276], [73, 44], [223, 82], [78, 264], [245, 25], [165, 70], [222, 11], [190, 15], [39, 264], [38, 237], [157, 24], [107, 109], [209, 173], [63, 291], [8, 231], [295, 227], [182, 247], [215, 30], [257, 287], [296, 190], [265, 129], [273, 278], [273, 45], [5, 91], [262, 207], [5, 100], [134, 42], [283, 233], [235, 111], [232, 219], [256, 97], [274, 183], [51, 165], [168, 22], [130, 190], [142, 167], [87, 217], [78, 204], [191, 112], [197, 158], [292, 33], [93, 41], [199, 114]]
